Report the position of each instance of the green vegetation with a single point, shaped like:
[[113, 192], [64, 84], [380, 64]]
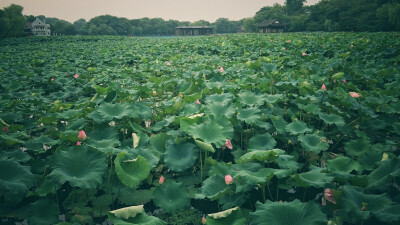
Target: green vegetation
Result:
[[238, 129]]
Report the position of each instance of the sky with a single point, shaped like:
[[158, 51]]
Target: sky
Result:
[[182, 10]]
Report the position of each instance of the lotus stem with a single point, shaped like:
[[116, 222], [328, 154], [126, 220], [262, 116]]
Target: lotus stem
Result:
[[263, 190], [4, 123], [269, 191], [201, 168], [94, 97]]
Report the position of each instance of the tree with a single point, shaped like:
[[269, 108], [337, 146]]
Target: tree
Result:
[[12, 22], [223, 25], [80, 26], [294, 6], [250, 25]]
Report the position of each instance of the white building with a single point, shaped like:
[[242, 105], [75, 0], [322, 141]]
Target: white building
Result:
[[40, 28]]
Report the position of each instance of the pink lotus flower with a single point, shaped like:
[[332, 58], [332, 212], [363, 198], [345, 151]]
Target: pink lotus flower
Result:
[[354, 94], [221, 69], [180, 95], [198, 101], [288, 41], [52, 79], [303, 54], [168, 63], [161, 180], [228, 144], [76, 76], [328, 195], [78, 143], [228, 179], [5, 129], [203, 220], [344, 81], [283, 49], [323, 87], [154, 93], [82, 135]]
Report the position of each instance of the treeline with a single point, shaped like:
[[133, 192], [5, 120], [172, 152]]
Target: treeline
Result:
[[327, 15], [332, 15]]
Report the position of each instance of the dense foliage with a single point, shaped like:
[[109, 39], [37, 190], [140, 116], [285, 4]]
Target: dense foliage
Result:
[[238, 129]]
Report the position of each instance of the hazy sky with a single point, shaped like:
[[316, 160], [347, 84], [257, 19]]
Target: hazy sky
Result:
[[182, 10]]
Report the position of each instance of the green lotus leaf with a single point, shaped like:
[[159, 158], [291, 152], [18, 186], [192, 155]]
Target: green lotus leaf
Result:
[[148, 154], [343, 164], [297, 127], [172, 197], [313, 143], [216, 108], [279, 124], [17, 155], [286, 162], [131, 172], [79, 166], [233, 216], [128, 196], [353, 199], [111, 111], [262, 142], [250, 98], [103, 139], [179, 157], [331, 119], [139, 219], [247, 180], [389, 214], [288, 213], [221, 98], [357, 147], [386, 172], [158, 142], [214, 131], [273, 98], [191, 109], [128, 212], [214, 187], [313, 178], [69, 135], [249, 115], [261, 155], [15, 178], [204, 146], [37, 216]]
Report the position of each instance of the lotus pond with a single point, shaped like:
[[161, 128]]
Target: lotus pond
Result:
[[296, 128]]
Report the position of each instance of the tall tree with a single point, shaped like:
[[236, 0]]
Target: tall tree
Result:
[[294, 6], [12, 21]]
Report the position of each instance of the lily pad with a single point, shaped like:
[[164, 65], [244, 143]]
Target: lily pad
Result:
[[297, 127], [262, 142], [249, 115], [313, 143]]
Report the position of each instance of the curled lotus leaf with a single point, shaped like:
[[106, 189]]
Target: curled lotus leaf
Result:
[[131, 171], [79, 166], [261, 155], [128, 212], [231, 216]]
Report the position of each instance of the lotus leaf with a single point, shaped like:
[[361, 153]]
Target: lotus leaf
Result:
[[14, 177], [343, 164], [231, 216], [288, 213], [128, 212], [214, 187], [131, 172], [79, 166], [261, 155], [213, 131], [172, 196], [353, 199], [331, 119], [313, 143], [247, 180], [204, 146], [249, 115], [357, 147], [262, 142], [250, 98], [313, 178], [217, 108], [179, 157], [386, 172], [37, 216], [140, 219], [297, 127]]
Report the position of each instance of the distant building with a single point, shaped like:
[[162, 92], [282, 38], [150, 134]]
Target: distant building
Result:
[[193, 30], [240, 30], [38, 28], [270, 26]]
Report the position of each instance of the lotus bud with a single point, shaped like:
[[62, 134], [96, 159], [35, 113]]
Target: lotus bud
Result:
[[228, 179], [161, 180], [82, 135]]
